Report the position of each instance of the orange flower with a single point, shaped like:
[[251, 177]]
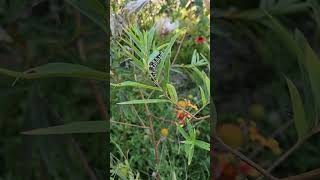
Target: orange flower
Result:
[[187, 103], [200, 40], [182, 104], [180, 114], [272, 144]]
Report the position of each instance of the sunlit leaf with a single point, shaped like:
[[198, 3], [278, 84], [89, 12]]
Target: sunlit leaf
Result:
[[203, 96], [172, 93], [135, 84], [203, 145], [146, 101]]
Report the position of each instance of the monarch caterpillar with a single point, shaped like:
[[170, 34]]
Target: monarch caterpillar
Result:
[[153, 66]]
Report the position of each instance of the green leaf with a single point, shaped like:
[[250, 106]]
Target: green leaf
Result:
[[182, 132], [202, 144], [135, 84], [172, 93], [93, 9], [165, 55], [299, 116], [167, 72], [203, 97], [190, 152], [312, 65], [133, 47], [194, 57], [72, 128], [58, 70], [145, 101], [206, 81], [191, 130], [151, 33]]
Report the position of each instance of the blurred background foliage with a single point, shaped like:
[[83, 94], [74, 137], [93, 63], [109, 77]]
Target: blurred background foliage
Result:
[[33, 33], [251, 95]]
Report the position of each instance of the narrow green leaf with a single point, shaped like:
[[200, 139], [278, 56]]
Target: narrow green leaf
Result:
[[312, 65], [133, 47], [191, 130], [166, 54], [166, 78], [145, 101], [135, 39], [172, 93], [194, 57], [151, 33], [203, 97], [72, 128], [136, 61], [135, 84], [299, 116], [182, 132], [202, 144], [93, 9], [190, 152], [58, 70]]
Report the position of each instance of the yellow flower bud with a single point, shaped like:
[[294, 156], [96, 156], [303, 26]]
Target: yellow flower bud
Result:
[[164, 132]]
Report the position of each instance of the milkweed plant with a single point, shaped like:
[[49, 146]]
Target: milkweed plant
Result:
[[152, 67]]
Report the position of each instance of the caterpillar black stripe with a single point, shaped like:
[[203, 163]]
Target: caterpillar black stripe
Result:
[[153, 66]]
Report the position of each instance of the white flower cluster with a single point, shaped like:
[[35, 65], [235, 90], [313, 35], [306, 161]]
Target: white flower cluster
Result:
[[164, 25]]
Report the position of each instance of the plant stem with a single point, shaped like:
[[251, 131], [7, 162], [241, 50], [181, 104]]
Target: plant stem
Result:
[[314, 174], [290, 151], [153, 139], [245, 159], [277, 132], [175, 57], [285, 155]]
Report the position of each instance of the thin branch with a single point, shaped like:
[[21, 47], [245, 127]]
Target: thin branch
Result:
[[245, 159], [164, 120], [149, 117], [314, 174], [276, 133], [285, 155], [175, 57]]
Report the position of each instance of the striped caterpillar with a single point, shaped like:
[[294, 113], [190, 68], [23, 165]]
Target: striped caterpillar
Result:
[[153, 66]]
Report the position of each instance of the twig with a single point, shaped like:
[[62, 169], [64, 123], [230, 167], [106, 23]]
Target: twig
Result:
[[83, 160], [280, 130], [245, 159], [141, 121], [165, 120], [149, 117], [285, 155], [314, 174], [175, 57]]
